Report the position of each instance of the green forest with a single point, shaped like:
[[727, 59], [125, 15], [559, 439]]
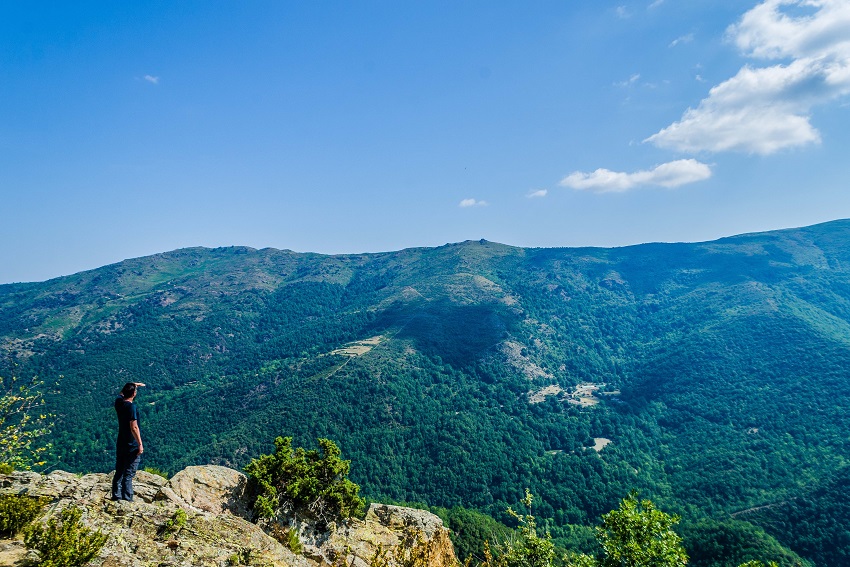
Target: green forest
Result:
[[712, 378]]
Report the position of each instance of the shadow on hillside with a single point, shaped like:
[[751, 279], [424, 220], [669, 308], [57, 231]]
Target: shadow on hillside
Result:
[[458, 334], [648, 266]]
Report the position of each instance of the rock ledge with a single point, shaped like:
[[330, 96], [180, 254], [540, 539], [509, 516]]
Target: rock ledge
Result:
[[217, 531]]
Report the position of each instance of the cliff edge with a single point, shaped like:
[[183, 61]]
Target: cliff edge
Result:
[[200, 517]]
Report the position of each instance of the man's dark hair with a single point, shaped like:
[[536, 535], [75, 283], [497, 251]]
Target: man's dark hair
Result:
[[128, 390]]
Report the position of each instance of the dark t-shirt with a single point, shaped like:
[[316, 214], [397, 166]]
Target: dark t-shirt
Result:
[[127, 412]]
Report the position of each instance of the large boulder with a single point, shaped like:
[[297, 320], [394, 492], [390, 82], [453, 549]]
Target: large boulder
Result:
[[211, 489], [198, 518], [390, 534]]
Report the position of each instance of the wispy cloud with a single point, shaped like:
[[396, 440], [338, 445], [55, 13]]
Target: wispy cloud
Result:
[[670, 175], [628, 82], [151, 79], [472, 203], [762, 110], [622, 12], [538, 193], [687, 38], [656, 4]]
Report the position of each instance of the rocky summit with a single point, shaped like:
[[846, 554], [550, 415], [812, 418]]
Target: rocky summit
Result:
[[213, 528]]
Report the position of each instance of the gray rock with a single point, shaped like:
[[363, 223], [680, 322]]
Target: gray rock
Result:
[[400, 518], [210, 488], [198, 518]]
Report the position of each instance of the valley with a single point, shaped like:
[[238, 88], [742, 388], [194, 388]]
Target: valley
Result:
[[711, 377]]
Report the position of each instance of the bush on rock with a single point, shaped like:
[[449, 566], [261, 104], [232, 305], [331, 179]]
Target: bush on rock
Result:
[[312, 482]]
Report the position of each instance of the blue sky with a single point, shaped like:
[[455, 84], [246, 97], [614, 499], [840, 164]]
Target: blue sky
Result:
[[128, 129]]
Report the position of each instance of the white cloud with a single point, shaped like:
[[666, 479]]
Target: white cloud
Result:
[[472, 203], [152, 79], [622, 12], [656, 4], [539, 193], [682, 39], [672, 174], [769, 33], [629, 82], [765, 109]]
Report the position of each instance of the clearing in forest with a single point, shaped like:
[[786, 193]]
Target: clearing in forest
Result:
[[583, 395], [541, 394], [359, 348]]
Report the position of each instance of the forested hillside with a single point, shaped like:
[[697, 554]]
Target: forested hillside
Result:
[[713, 377]]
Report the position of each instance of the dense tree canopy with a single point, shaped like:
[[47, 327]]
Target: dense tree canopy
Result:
[[711, 377]]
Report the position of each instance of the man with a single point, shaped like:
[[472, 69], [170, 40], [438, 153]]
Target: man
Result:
[[128, 447]]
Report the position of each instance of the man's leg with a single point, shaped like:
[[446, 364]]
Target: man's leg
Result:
[[129, 474], [121, 463]]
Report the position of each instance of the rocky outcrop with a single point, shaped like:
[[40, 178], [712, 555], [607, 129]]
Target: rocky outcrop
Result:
[[213, 528], [209, 488]]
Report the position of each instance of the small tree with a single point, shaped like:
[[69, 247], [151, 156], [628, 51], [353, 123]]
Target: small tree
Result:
[[527, 549], [314, 482], [635, 535], [639, 534], [23, 422]]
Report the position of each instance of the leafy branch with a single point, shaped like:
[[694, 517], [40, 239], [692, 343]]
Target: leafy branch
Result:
[[23, 422]]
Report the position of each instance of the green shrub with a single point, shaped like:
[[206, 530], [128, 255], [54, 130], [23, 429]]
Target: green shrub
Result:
[[156, 471], [241, 557], [287, 535], [293, 542], [16, 511], [176, 522], [7, 468], [66, 542], [312, 482]]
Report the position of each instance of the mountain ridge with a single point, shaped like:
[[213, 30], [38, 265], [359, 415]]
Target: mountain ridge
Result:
[[416, 248], [719, 368]]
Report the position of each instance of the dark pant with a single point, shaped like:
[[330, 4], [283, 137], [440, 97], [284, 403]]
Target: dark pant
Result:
[[126, 466]]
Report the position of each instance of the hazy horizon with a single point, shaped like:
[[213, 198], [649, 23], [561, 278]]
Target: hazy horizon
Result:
[[355, 253], [130, 130]]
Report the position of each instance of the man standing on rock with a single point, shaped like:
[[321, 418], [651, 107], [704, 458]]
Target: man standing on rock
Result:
[[128, 448]]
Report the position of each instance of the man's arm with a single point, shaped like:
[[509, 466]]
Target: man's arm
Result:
[[134, 429]]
